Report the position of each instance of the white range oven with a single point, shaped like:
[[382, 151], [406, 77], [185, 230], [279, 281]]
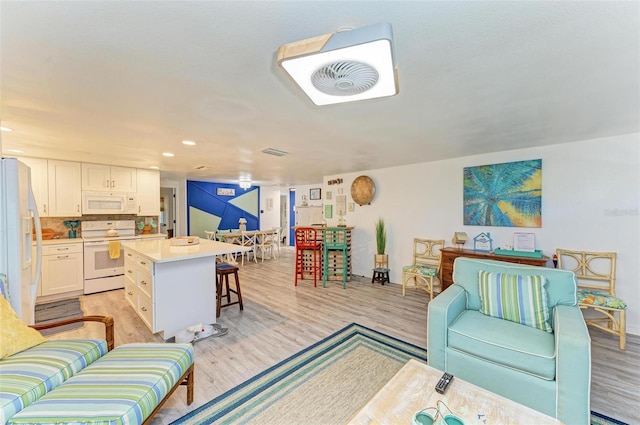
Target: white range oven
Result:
[[103, 256]]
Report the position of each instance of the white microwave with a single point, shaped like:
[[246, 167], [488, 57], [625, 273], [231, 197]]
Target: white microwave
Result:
[[109, 203]]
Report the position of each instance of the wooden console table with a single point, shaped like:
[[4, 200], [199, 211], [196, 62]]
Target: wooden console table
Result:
[[450, 254]]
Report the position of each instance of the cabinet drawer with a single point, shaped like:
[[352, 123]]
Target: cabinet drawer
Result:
[[145, 264], [131, 293], [145, 309], [69, 248], [145, 282], [130, 270]]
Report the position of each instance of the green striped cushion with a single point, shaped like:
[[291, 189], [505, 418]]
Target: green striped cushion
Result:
[[517, 298], [124, 387], [30, 374]]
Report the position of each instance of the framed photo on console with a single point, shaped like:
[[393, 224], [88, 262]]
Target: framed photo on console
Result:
[[315, 194]]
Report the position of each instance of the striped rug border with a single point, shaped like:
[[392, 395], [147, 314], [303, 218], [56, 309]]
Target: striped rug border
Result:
[[273, 375], [294, 363]]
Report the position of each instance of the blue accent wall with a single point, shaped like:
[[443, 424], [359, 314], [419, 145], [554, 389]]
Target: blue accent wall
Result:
[[292, 217], [203, 196]]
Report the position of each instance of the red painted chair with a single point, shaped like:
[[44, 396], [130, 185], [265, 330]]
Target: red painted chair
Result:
[[308, 254]]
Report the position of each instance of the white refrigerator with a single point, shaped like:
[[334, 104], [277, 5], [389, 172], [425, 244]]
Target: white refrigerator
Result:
[[18, 215]]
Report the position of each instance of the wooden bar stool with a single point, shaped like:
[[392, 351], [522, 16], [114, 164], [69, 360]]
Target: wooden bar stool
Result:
[[335, 262], [223, 271], [308, 254]]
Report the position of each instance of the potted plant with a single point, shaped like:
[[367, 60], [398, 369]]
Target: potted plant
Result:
[[381, 259]]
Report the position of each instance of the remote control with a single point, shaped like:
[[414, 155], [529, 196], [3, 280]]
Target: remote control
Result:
[[443, 383]]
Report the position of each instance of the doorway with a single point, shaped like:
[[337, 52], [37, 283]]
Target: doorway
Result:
[[167, 211]]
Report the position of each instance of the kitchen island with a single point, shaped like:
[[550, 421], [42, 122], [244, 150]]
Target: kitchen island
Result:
[[173, 287]]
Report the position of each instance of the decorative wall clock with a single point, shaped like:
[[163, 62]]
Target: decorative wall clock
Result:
[[362, 190]]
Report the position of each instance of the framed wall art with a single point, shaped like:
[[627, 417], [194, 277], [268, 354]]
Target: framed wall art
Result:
[[315, 194], [508, 194], [328, 211]]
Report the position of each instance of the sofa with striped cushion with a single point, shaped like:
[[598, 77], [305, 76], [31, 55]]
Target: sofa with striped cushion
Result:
[[516, 331], [82, 381]]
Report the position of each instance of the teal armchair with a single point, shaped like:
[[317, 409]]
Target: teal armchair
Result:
[[547, 370]]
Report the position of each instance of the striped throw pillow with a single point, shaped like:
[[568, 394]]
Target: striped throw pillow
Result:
[[520, 299]]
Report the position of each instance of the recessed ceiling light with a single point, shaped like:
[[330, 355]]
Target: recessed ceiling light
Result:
[[15, 151], [168, 154], [154, 167], [5, 129], [188, 143]]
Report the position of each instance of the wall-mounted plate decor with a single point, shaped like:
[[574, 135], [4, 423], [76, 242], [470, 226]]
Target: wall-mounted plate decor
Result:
[[362, 190]]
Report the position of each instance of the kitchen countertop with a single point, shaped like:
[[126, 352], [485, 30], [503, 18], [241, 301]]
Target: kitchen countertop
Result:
[[161, 251], [60, 241], [152, 235]]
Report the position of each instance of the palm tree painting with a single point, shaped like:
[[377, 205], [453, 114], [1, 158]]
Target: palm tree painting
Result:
[[508, 194]]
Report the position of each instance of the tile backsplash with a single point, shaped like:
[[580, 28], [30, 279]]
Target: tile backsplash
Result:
[[57, 223]]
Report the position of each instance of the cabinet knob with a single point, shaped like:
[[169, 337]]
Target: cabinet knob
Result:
[[62, 249], [106, 183], [130, 293], [144, 282], [130, 271], [60, 257], [144, 309]]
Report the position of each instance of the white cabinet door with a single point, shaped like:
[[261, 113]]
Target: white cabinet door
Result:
[[65, 188], [148, 192], [107, 178], [123, 179], [62, 269], [39, 177], [96, 177]]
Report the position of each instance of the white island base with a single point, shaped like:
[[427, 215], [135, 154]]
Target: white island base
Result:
[[173, 287]]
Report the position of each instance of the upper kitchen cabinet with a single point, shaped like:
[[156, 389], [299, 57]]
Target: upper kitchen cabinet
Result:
[[148, 192], [39, 185], [108, 178], [65, 188]]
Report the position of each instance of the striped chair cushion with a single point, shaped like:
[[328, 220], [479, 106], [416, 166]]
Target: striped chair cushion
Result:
[[520, 299], [124, 387], [30, 374], [420, 269]]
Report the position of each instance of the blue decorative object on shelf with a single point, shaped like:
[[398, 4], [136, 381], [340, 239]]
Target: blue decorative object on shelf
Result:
[[483, 242]]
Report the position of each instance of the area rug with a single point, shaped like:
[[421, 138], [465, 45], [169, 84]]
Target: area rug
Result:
[[56, 311], [324, 384]]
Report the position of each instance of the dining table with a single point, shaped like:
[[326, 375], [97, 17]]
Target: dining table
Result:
[[247, 238]]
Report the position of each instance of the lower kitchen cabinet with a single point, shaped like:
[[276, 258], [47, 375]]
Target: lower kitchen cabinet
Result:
[[62, 268]]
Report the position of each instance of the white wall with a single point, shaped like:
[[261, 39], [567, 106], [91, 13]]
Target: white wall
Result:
[[590, 201]]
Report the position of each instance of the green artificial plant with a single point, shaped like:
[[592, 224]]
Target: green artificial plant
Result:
[[381, 236]]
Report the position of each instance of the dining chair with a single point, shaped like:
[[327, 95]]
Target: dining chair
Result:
[[425, 266], [248, 239], [277, 237], [596, 276], [265, 244]]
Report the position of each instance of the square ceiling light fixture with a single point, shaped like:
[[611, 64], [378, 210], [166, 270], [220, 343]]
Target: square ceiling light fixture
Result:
[[344, 66]]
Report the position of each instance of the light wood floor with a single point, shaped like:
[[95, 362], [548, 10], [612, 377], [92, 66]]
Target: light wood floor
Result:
[[279, 320]]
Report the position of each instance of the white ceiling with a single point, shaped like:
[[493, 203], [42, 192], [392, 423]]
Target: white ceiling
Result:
[[122, 82]]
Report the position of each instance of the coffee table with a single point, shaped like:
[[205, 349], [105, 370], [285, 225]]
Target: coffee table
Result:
[[412, 389]]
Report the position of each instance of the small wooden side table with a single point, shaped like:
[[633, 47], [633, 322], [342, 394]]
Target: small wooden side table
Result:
[[380, 275]]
